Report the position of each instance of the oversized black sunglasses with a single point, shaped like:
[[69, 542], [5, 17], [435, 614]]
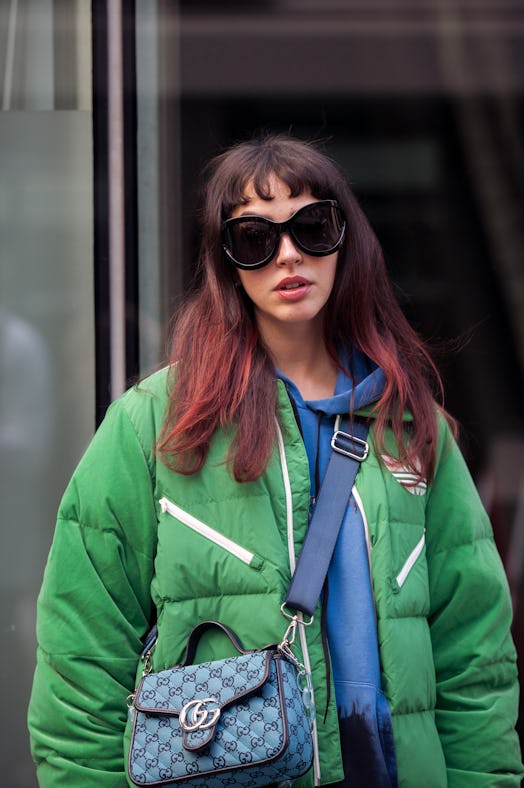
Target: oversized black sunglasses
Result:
[[252, 241]]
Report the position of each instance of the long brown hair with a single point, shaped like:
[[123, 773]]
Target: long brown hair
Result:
[[224, 374]]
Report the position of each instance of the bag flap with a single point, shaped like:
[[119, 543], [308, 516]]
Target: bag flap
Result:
[[223, 681]]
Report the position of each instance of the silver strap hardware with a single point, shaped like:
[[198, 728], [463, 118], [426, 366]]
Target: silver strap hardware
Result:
[[346, 444]]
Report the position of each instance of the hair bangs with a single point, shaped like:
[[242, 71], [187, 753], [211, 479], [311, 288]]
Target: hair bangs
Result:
[[300, 167]]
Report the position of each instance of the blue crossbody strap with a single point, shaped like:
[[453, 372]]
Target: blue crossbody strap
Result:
[[349, 449]]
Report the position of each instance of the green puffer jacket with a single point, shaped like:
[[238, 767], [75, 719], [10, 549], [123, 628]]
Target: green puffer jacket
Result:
[[126, 540]]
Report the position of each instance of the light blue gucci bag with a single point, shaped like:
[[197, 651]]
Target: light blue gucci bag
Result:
[[239, 721]]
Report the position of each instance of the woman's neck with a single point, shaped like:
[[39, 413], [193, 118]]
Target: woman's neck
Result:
[[301, 355]]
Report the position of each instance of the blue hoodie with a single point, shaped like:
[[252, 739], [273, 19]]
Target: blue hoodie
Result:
[[365, 723]]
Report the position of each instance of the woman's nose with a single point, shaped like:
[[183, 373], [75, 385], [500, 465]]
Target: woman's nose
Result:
[[287, 252]]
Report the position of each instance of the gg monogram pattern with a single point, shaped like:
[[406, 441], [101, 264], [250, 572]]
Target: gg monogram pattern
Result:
[[262, 734]]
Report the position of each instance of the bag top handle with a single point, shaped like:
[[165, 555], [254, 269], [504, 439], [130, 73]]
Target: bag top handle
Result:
[[197, 632]]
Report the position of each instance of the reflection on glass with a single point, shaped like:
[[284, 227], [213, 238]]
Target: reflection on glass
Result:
[[46, 313]]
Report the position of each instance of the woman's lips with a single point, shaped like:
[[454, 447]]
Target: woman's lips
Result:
[[293, 288]]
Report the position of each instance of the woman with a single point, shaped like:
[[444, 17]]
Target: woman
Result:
[[293, 323]]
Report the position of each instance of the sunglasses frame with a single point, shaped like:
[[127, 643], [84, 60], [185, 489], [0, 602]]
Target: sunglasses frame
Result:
[[280, 228]]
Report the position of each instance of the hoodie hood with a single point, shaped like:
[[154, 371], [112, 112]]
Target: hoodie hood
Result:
[[364, 388], [317, 417]]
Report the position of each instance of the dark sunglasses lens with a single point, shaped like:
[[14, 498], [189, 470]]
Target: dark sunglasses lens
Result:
[[318, 228], [251, 241]]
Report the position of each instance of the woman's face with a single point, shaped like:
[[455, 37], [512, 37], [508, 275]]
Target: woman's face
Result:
[[294, 287]]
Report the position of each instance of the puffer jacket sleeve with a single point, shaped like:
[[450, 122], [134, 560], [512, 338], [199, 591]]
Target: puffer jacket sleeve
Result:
[[93, 609], [470, 618]]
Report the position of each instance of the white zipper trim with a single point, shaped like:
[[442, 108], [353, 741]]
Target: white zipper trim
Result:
[[289, 500], [360, 505], [205, 530], [412, 557], [307, 665], [292, 565]]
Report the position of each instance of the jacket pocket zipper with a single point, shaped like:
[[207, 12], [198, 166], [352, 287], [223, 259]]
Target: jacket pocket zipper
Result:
[[411, 559], [249, 558]]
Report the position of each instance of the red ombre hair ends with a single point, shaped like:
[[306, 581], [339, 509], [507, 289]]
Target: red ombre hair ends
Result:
[[224, 375]]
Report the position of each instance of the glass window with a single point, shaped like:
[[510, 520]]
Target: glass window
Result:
[[46, 313]]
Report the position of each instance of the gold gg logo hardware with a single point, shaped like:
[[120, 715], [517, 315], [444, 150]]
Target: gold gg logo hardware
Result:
[[195, 716]]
